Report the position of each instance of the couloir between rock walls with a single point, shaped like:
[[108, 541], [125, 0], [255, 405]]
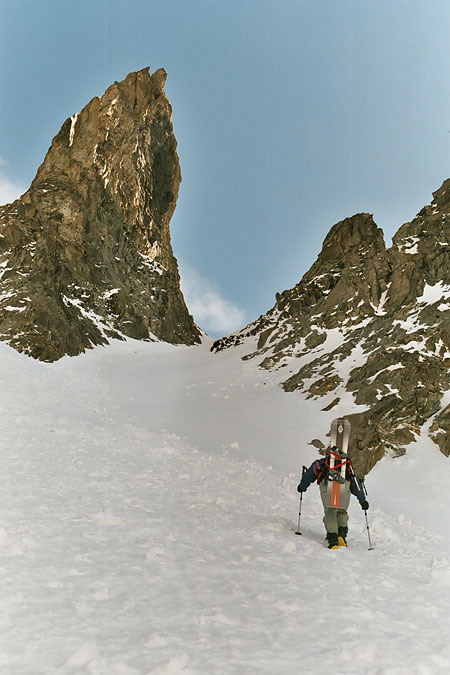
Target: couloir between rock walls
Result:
[[85, 256]]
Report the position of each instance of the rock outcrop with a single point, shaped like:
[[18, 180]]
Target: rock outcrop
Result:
[[85, 253], [368, 328]]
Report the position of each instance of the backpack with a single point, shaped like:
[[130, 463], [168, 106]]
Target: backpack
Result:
[[332, 466]]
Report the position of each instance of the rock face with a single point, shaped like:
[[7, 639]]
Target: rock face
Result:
[[368, 329], [85, 253]]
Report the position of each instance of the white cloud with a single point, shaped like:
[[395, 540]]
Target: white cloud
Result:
[[10, 189], [213, 313]]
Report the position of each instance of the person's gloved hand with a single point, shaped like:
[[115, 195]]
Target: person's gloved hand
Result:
[[364, 505], [300, 488]]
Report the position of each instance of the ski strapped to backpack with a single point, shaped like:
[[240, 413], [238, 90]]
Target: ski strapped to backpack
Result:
[[337, 465]]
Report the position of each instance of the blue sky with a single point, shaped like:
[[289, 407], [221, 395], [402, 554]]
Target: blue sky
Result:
[[289, 114]]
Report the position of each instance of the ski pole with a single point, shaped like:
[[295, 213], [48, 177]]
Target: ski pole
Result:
[[300, 507], [368, 532], [365, 513]]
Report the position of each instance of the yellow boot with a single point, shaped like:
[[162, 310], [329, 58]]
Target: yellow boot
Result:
[[342, 534]]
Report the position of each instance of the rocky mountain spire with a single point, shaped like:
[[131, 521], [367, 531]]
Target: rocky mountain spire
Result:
[[85, 253], [366, 332]]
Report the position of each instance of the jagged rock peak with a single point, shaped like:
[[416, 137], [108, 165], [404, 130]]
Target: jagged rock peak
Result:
[[144, 84], [356, 234], [366, 333], [85, 253], [441, 198], [430, 222]]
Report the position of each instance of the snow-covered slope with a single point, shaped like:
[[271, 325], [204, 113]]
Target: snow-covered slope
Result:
[[148, 510]]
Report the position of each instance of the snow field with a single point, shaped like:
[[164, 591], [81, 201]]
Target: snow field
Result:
[[259, 599], [143, 533]]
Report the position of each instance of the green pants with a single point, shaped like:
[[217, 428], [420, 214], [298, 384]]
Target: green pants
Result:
[[333, 518]]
